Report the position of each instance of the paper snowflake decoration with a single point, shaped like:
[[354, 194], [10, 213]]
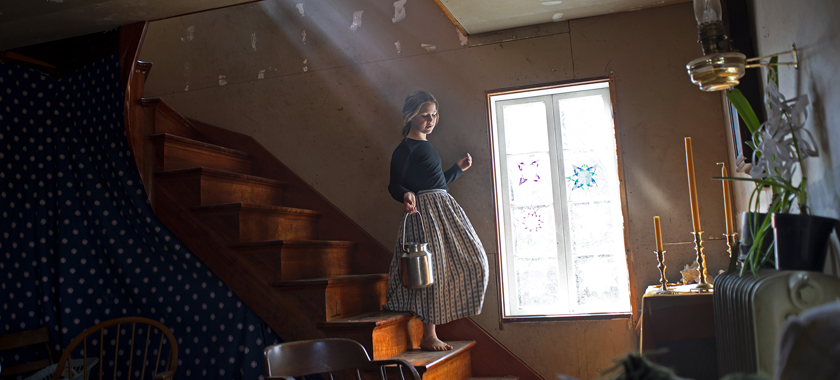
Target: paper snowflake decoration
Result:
[[584, 177], [528, 172], [779, 137], [530, 219]]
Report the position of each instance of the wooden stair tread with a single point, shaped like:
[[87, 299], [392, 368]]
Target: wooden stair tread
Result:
[[428, 359], [218, 173], [368, 320], [337, 280], [199, 144], [290, 243], [254, 207], [495, 378]]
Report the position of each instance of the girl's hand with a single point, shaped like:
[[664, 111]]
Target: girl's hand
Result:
[[465, 162], [410, 206]]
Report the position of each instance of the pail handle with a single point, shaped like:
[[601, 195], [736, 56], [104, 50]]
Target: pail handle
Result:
[[405, 220]]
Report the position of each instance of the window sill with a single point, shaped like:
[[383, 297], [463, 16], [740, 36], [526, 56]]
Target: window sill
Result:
[[567, 317]]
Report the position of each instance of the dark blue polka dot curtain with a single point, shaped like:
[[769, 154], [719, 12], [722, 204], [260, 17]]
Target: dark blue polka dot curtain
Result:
[[80, 244]]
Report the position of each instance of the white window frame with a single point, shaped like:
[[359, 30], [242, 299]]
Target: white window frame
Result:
[[507, 283]]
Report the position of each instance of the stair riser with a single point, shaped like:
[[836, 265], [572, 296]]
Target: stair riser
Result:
[[340, 301], [303, 263], [212, 190], [171, 155], [457, 368], [249, 226], [166, 122], [386, 341]]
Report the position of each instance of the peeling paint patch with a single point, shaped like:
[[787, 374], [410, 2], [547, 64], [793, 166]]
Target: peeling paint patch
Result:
[[464, 40], [357, 20], [222, 80], [557, 17], [254, 41], [304, 36], [300, 8], [305, 68], [551, 3], [399, 11], [399, 46], [190, 34], [428, 47], [261, 75], [187, 88]]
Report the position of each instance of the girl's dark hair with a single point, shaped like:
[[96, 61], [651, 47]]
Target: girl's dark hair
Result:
[[416, 100]]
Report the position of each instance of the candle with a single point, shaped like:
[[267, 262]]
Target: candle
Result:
[[727, 202], [692, 186], [658, 229]]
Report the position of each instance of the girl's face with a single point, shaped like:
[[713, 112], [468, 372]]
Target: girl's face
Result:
[[425, 120]]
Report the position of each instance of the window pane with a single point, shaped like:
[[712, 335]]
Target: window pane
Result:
[[526, 128], [590, 127], [535, 256], [534, 232], [590, 175], [597, 292], [595, 226], [537, 283], [594, 205], [529, 178]]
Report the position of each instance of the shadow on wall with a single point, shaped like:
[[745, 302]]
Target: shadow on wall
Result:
[[80, 243]]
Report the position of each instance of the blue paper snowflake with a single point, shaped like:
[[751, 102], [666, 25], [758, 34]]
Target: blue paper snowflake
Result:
[[584, 177]]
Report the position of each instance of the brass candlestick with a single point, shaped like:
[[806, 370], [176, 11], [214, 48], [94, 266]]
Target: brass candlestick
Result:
[[703, 285], [731, 247], [660, 257]]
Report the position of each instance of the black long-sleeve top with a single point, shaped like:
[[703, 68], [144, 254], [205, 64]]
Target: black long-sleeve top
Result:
[[415, 166]]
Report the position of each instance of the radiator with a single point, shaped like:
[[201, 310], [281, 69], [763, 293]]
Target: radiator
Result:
[[749, 313]]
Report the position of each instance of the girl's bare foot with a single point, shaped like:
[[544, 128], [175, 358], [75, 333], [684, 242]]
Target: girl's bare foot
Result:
[[434, 344], [430, 341]]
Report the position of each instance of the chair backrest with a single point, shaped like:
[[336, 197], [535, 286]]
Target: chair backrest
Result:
[[327, 356], [38, 338], [131, 347]]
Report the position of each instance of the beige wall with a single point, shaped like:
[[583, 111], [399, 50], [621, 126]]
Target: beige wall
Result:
[[336, 123]]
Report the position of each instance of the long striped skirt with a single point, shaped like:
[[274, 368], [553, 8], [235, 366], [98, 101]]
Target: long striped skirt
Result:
[[458, 258]]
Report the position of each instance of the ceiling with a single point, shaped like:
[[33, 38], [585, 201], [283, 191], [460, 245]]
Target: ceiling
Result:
[[480, 16], [29, 22]]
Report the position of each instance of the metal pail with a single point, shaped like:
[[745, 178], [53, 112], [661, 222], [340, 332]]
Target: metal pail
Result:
[[415, 263]]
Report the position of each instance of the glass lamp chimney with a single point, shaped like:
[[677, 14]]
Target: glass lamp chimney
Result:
[[707, 11]]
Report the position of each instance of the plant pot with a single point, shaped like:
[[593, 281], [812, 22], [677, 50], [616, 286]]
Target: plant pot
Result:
[[801, 241], [747, 234]]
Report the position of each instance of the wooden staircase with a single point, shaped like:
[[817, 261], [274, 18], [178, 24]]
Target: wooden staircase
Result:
[[305, 268]]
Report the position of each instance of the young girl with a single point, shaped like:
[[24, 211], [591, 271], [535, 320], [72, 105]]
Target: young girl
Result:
[[459, 260]]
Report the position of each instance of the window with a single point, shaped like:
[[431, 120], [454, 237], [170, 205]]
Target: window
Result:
[[558, 199]]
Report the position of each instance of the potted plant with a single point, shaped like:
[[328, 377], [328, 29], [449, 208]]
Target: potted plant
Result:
[[779, 146]]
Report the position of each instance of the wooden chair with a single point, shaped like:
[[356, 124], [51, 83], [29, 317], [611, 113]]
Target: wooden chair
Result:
[[128, 344], [38, 338], [329, 356]]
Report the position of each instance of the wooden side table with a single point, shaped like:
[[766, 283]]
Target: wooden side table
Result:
[[684, 324]]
